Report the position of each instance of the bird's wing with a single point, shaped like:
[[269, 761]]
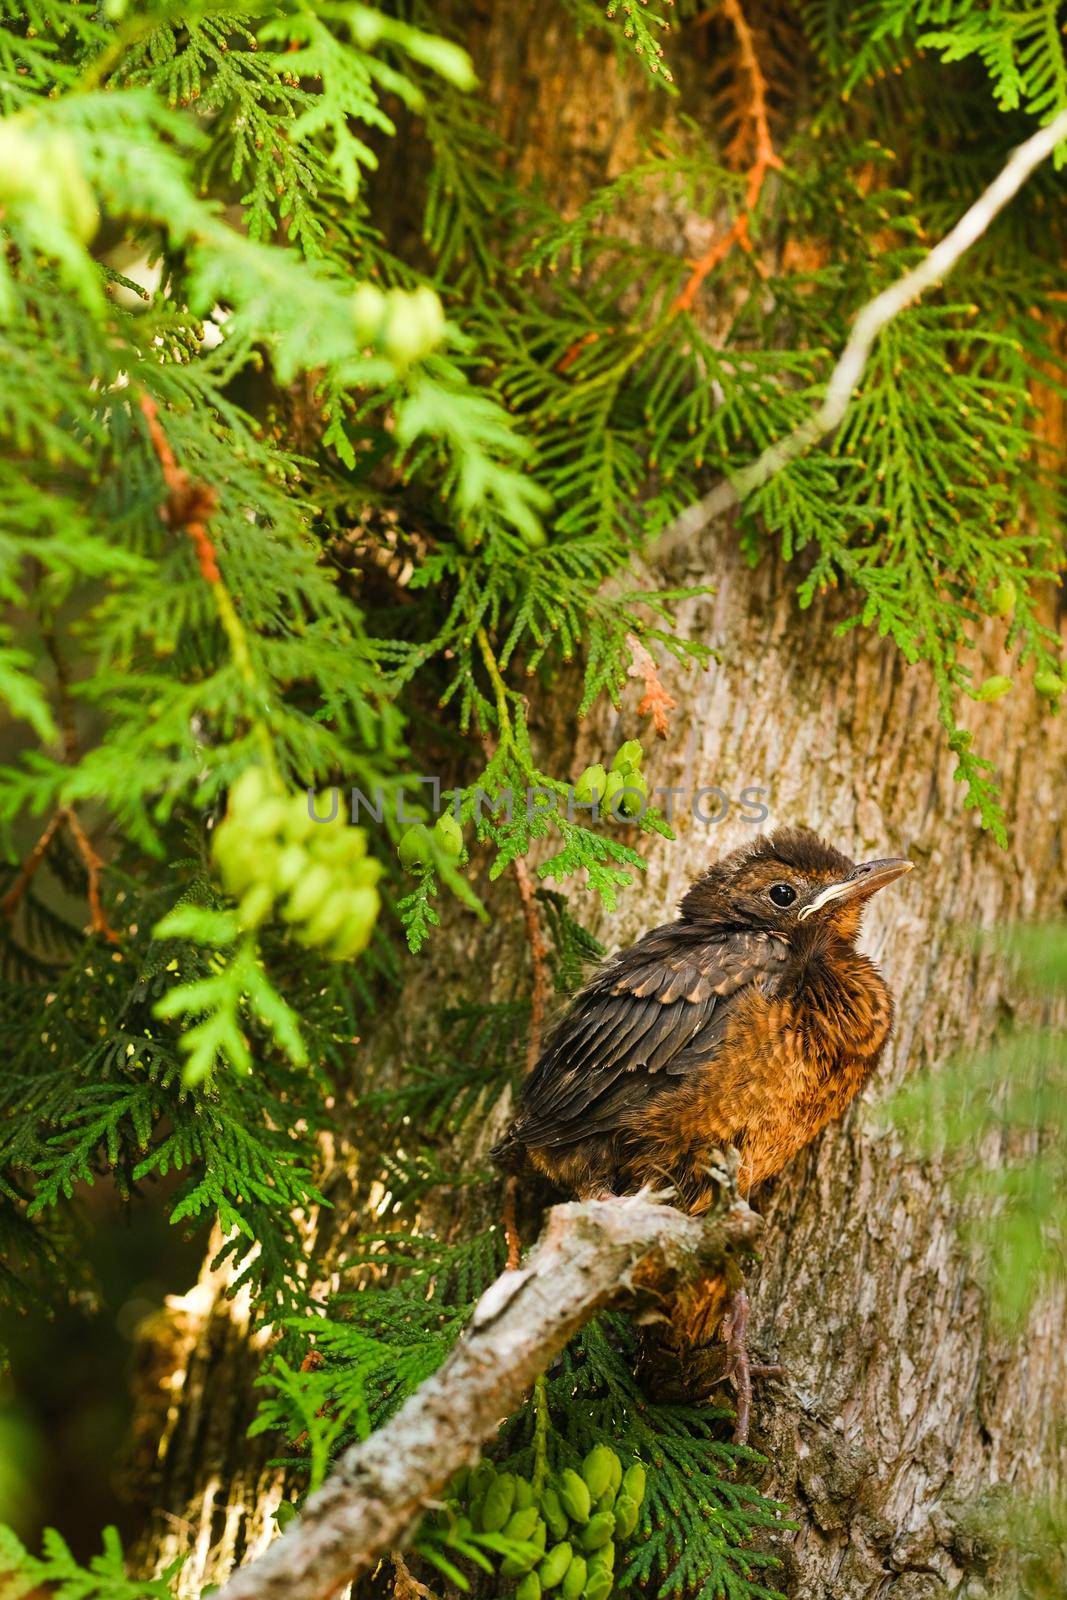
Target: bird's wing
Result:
[[649, 1014]]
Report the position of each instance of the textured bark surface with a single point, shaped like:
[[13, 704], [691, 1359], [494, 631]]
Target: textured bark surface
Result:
[[899, 1404]]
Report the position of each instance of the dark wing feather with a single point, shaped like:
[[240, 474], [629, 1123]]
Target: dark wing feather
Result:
[[650, 1013]]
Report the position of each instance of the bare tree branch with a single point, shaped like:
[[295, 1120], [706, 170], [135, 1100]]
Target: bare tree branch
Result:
[[870, 321], [590, 1255]]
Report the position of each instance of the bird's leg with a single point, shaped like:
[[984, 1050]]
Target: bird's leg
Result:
[[739, 1369], [511, 1227], [594, 1188]]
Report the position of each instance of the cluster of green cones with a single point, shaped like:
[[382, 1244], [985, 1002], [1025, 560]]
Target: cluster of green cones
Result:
[[276, 858], [564, 1531]]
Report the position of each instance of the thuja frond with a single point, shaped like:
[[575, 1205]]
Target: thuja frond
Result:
[[104, 1577], [1021, 47], [376, 1343], [477, 1056], [39, 44], [574, 950], [637, 30]]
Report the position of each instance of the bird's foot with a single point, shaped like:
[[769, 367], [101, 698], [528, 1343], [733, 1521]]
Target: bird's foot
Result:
[[739, 1369], [510, 1222]]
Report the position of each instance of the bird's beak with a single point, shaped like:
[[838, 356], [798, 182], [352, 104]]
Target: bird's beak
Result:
[[861, 883]]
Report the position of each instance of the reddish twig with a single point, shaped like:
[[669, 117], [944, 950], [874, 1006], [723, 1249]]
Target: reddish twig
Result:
[[571, 354], [93, 864], [65, 815], [9, 904], [190, 505], [765, 158]]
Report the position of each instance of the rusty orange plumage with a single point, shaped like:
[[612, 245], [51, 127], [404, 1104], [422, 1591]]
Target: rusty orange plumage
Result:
[[751, 1021]]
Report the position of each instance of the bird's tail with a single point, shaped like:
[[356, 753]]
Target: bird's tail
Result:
[[682, 1358], [698, 1310]]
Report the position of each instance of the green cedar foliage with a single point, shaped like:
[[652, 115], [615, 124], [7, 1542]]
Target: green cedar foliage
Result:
[[103, 1578], [410, 461]]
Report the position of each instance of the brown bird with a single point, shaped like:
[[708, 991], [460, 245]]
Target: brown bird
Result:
[[751, 1021]]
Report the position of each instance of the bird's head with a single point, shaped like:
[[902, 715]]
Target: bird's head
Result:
[[788, 882]]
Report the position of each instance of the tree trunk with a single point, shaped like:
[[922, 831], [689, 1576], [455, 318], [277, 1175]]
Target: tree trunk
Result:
[[899, 1404]]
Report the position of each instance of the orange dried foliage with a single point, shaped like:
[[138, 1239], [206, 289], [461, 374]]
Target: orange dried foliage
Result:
[[751, 142], [655, 702]]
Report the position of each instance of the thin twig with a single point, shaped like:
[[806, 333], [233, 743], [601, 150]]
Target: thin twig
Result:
[[655, 702], [765, 158], [64, 699], [92, 864], [574, 350], [500, 688], [593, 1254], [510, 1221], [9, 904], [190, 506], [870, 321]]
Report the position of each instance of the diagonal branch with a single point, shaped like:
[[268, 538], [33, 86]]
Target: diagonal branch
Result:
[[12, 899], [590, 1255], [870, 321]]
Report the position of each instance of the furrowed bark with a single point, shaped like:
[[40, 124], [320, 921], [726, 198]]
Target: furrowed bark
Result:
[[589, 1256]]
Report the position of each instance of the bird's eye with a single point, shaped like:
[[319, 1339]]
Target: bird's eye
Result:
[[783, 894]]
